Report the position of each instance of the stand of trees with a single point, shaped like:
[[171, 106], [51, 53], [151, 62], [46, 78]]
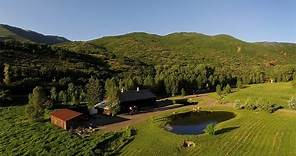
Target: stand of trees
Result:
[[65, 74]]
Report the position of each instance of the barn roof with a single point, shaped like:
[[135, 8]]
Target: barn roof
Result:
[[134, 95], [65, 114]]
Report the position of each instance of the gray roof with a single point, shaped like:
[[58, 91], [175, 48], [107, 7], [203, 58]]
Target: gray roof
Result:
[[134, 95]]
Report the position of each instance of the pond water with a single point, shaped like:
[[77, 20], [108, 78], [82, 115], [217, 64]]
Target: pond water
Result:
[[195, 122]]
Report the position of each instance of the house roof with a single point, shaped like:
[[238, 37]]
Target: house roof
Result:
[[101, 104], [65, 114], [134, 95]]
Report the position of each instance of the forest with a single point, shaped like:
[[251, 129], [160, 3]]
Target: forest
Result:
[[26, 65]]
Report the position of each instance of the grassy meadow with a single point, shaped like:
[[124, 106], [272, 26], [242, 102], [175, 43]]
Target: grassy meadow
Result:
[[249, 133], [276, 93], [18, 136]]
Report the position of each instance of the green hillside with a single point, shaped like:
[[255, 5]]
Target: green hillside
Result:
[[25, 65], [195, 61], [14, 33], [194, 48]]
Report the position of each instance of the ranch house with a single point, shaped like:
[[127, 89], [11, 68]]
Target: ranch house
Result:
[[139, 98], [131, 98]]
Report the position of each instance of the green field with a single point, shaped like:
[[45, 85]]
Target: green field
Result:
[[18, 136], [276, 93], [251, 133]]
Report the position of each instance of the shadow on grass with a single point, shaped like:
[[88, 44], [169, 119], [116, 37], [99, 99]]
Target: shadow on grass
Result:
[[225, 130], [101, 120]]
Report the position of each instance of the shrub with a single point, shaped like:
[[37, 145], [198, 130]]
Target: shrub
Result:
[[239, 84], [250, 105], [237, 104], [227, 89], [292, 103], [129, 132], [272, 108], [210, 129], [260, 104], [181, 101], [221, 100]]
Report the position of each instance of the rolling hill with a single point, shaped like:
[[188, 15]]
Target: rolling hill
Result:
[[194, 48], [15, 33]]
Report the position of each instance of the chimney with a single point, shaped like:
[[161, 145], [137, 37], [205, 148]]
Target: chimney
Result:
[[138, 89]]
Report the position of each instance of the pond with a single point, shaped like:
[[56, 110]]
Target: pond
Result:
[[195, 122]]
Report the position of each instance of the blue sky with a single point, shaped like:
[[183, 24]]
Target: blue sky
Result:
[[249, 20]]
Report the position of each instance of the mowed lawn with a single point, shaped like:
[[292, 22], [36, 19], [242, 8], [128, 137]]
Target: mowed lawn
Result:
[[276, 93], [250, 133]]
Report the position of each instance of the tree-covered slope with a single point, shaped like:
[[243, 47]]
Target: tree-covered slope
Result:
[[14, 33], [194, 48], [26, 65]]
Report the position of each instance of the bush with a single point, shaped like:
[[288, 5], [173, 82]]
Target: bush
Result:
[[210, 129], [218, 90], [259, 105], [181, 101], [237, 104], [292, 103], [227, 89], [250, 105]]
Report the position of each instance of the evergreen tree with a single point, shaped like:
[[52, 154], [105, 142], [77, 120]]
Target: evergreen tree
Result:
[[7, 71], [183, 93], [239, 84], [63, 97], [218, 90], [129, 83], [82, 96], [53, 94], [75, 97], [112, 93], [149, 82], [71, 92], [93, 91], [35, 108]]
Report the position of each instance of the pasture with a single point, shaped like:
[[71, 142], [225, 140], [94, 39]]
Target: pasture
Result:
[[249, 133], [18, 136], [276, 93]]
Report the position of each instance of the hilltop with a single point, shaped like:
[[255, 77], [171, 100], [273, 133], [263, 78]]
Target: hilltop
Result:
[[8, 32], [188, 48]]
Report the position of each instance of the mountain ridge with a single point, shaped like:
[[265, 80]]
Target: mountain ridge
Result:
[[16, 33]]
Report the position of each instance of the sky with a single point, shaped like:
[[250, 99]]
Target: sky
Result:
[[249, 20]]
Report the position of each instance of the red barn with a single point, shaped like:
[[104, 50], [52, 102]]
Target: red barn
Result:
[[66, 118]]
